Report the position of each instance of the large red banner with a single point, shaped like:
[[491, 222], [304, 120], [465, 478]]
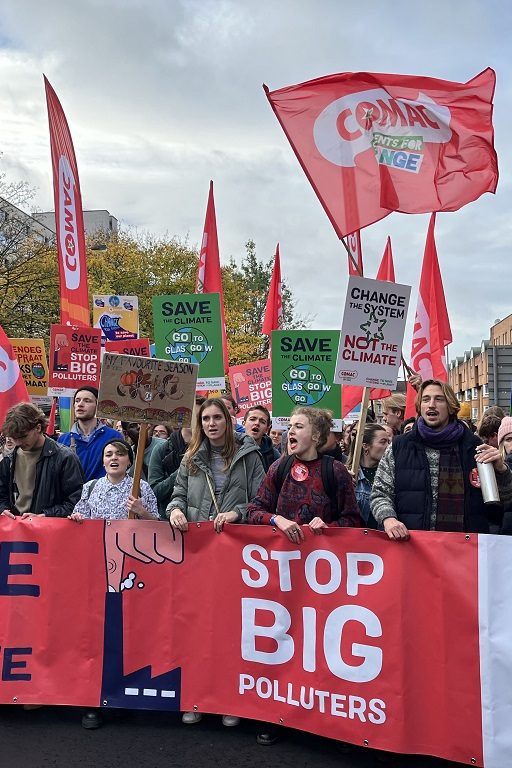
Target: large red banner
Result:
[[69, 219], [375, 143], [348, 635]]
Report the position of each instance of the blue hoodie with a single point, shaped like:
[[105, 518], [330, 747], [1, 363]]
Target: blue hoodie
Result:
[[90, 449]]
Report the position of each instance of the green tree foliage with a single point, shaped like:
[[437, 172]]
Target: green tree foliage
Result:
[[246, 287], [124, 263]]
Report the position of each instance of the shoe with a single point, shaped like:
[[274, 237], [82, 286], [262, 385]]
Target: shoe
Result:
[[92, 720], [191, 718], [230, 721], [267, 738]]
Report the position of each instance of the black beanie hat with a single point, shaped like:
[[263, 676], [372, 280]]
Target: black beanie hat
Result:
[[92, 390]]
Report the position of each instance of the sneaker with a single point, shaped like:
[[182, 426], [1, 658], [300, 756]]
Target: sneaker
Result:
[[191, 718], [230, 721], [91, 720]]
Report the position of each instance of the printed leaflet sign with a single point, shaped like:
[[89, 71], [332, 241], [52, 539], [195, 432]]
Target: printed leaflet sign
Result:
[[251, 384], [74, 359], [31, 356], [303, 364], [188, 329], [372, 333]]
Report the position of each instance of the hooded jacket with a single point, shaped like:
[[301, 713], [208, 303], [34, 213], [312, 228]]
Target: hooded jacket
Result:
[[90, 451], [191, 491]]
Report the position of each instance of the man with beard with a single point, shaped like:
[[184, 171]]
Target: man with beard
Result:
[[88, 436], [428, 480], [256, 424]]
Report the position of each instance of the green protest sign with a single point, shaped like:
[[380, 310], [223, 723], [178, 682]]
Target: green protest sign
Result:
[[188, 329], [303, 367]]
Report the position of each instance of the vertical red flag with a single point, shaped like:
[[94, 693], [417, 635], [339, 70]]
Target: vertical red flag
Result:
[[69, 220], [273, 319], [387, 268], [209, 278], [432, 332], [13, 389], [355, 257]]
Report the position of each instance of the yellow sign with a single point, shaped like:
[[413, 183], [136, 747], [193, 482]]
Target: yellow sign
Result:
[[31, 356]]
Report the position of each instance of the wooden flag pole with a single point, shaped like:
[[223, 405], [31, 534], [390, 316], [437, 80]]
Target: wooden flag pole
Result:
[[139, 461], [360, 432]]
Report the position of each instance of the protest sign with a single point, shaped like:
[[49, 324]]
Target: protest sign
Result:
[[372, 333], [138, 347], [327, 637], [117, 316], [74, 359], [147, 389], [303, 364], [251, 384], [31, 356], [188, 329]]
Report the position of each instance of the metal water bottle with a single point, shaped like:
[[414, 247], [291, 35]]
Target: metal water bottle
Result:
[[488, 483]]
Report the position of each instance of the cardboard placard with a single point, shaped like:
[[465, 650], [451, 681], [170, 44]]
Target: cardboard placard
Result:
[[147, 390]]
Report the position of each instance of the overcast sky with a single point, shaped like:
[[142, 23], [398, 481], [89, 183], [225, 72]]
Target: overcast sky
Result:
[[161, 96]]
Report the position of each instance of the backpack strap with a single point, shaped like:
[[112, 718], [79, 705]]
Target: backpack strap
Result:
[[283, 470], [329, 482]]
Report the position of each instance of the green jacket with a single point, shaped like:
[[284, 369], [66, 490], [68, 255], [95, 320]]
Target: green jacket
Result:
[[191, 492]]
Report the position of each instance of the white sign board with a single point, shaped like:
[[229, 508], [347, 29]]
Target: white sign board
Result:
[[372, 333]]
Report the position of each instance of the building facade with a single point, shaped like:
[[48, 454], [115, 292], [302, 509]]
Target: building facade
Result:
[[483, 375]]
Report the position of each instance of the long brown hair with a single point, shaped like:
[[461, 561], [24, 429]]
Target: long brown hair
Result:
[[198, 435], [370, 430]]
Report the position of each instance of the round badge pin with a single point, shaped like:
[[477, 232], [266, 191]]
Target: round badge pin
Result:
[[300, 472]]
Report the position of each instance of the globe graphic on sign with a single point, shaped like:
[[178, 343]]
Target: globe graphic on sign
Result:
[[188, 345]]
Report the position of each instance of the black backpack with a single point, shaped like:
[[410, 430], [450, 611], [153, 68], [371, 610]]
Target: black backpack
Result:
[[328, 479]]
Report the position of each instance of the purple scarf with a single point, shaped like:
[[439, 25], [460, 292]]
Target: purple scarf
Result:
[[443, 438]]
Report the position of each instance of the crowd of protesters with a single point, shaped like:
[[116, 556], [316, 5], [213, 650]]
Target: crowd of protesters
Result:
[[414, 474]]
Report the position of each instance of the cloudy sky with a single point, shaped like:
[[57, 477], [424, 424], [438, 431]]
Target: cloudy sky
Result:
[[161, 96]]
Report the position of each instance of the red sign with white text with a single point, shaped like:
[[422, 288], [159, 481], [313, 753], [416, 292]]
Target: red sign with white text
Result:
[[251, 384], [348, 635], [138, 347], [75, 355]]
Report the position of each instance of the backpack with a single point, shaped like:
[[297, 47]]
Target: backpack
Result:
[[328, 479]]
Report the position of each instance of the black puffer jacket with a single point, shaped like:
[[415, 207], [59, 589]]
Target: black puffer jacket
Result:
[[58, 483]]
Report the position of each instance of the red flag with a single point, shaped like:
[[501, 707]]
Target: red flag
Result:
[[355, 259], [50, 429], [387, 268], [432, 332], [374, 143], [209, 278], [69, 220], [273, 319], [13, 389]]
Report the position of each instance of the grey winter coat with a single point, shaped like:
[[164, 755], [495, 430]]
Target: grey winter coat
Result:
[[191, 492]]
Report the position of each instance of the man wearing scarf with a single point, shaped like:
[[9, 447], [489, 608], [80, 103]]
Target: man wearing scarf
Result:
[[427, 479]]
